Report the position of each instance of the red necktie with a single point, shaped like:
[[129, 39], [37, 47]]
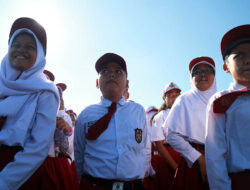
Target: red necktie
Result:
[[224, 102], [99, 126], [2, 120]]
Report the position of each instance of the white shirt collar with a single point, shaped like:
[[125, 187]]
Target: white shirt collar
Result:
[[107, 103], [235, 86]]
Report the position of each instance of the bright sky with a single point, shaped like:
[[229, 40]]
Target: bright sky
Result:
[[157, 38]]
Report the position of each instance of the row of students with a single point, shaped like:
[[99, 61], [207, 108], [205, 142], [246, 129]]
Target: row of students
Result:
[[111, 142], [183, 128], [218, 120]]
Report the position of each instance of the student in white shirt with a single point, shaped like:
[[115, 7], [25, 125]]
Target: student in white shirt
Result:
[[28, 103], [228, 119], [112, 155], [169, 158], [186, 125]]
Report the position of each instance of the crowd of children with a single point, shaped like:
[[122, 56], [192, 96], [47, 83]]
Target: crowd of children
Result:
[[196, 140]]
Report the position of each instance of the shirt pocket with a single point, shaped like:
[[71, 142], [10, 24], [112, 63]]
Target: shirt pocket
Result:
[[136, 137]]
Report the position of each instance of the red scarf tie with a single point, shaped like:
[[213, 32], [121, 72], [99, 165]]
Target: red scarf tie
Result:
[[102, 124], [224, 102]]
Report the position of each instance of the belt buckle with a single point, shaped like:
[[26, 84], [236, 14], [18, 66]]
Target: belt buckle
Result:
[[117, 186], [155, 152]]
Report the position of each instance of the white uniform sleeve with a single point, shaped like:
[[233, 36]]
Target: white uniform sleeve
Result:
[[215, 151], [79, 145], [157, 129], [181, 145], [35, 148]]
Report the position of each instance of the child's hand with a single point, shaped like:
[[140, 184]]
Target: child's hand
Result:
[[203, 170], [63, 125]]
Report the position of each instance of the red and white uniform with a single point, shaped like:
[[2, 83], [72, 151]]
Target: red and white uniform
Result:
[[228, 142], [185, 124]]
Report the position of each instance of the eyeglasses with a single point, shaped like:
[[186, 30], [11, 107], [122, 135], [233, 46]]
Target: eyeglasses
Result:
[[205, 71], [173, 95]]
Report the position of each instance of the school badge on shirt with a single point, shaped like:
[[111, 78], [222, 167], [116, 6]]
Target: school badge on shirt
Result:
[[138, 135]]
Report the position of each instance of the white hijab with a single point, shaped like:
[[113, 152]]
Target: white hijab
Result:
[[188, 114], [14, 93]]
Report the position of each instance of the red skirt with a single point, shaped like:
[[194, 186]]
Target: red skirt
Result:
[[54, 174], [165, 174], [189, 178]]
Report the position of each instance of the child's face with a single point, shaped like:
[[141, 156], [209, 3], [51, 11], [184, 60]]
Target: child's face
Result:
[[203, 77], [23, 51], [171, 96], [112, 80], [238, 64]]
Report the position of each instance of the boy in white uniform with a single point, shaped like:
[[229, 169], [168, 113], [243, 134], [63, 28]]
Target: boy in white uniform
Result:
[[228, 119], [111, 145]]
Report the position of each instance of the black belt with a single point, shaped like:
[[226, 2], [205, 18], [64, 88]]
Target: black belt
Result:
[[62, 155], [198, 146], [244, 172], [110, 184], [6, 147]]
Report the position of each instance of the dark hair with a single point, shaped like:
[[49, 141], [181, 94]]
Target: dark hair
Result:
[[236, 44], [163, 107]]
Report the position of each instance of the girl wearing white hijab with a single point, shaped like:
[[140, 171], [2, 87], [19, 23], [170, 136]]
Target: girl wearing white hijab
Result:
[[28, 107], [186, 122]]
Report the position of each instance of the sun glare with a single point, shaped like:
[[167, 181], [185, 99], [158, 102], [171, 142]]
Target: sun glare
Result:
[[48, 15]]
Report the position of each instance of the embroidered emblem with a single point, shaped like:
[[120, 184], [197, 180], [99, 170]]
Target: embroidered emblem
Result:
[[138, 135]]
